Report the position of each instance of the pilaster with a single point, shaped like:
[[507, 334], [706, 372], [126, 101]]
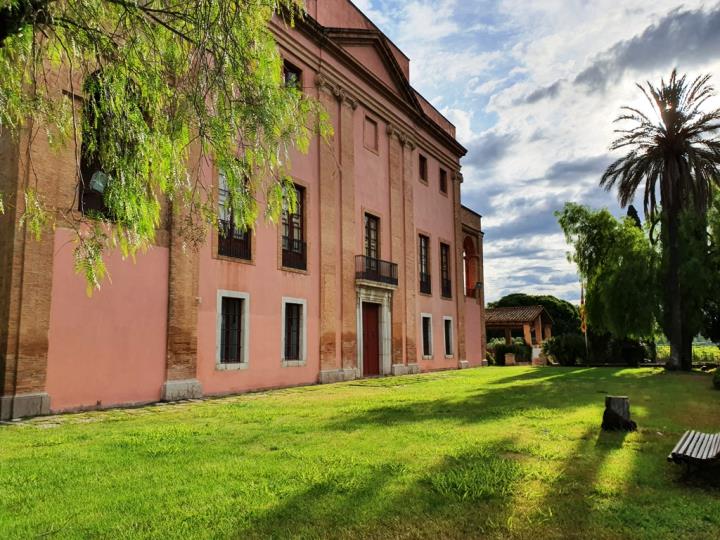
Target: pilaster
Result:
[[458, 265], [397, 244], [411, 271]]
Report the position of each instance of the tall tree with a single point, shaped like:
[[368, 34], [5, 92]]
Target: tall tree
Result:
[[155, 79], [676, 155], [619, 266]]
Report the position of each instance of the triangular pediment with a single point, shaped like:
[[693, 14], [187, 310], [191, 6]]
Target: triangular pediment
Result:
[[372, 52]]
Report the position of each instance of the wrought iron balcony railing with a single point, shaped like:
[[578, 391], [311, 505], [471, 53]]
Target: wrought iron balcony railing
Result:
[[294, 253], [377, 270], [425, 284], [232, 242], [446, 288]]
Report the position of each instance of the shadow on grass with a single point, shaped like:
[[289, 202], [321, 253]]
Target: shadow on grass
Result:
[[454, 498], [538, 389]]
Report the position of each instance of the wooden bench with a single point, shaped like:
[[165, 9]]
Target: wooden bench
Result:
[[696, 448]]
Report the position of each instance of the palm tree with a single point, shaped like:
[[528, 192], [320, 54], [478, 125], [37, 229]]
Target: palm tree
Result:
[[678, 156]]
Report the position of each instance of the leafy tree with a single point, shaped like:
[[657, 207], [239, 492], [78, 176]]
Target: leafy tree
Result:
[[678, 155], [166, 87], [565, 316], [619, 266]]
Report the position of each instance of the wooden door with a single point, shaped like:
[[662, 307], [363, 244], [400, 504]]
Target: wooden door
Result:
[[371, 339]]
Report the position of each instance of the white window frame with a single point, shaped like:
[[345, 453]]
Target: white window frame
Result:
[[424, 316], [245, 297], [452, 337], [303, 333]]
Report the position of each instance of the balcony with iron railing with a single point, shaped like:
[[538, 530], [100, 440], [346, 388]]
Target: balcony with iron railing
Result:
[[425, 283], [446, 288], [233, 242], [294, 253], [377, 270]]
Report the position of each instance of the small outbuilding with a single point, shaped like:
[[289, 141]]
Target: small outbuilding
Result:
[[534, 322]]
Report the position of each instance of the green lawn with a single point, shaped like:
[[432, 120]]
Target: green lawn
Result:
[[493, 452]]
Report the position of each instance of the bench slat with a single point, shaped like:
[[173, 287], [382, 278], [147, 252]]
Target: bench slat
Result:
[[697, 443], [703, 448], [696, 446], [680, 443], [687, 439]]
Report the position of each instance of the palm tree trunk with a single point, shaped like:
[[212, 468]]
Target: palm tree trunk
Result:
[[673, 290]]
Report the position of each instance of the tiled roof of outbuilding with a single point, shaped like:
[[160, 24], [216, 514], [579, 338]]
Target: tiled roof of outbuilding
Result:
[[518, 314]]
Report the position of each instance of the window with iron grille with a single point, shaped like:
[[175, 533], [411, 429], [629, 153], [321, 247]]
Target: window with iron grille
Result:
[[443, 181], [293, 234], [232, 241], [424, 263], [445, 270], [293, 331], [232, 328], [447, 323], [292, 75], [427, 335], [423, 168]]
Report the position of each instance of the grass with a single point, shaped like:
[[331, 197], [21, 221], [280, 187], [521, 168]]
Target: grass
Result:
[[510, 452], [701, 353]]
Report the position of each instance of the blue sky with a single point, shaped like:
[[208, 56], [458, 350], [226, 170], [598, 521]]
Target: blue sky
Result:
[[532, 88]]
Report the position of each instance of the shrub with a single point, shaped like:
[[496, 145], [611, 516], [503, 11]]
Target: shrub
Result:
[[497, 348], [566, 349]]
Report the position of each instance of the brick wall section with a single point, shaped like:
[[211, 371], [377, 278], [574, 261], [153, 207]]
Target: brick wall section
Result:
[[8, 273], [397, 233], [183, 285], [411, 272], [459, 285], [329, 314], [347, 201]]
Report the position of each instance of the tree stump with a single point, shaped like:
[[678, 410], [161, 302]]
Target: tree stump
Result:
[[617, 414]]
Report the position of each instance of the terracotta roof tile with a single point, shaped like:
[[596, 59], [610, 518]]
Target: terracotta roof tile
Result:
[[519, 314]]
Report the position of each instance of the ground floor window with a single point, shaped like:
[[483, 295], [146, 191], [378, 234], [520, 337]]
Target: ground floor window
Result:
[[293, 331], [448, 331], [427, 335], [232, 328]]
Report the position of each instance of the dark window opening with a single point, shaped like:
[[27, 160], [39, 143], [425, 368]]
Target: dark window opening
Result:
[[292, 76], [231, 331], [372, 240], [93, 179], [427, 336], [445, 271], [232, 241], [424, 263], [423, 168], [294, 252], [443, 181], [448, 338], [293, 327]]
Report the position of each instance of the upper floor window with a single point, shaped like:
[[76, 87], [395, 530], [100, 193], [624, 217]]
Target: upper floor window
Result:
[[94, 180], [232, 240], [423, 168], [443, 181], [424, 263], [294, 253], [372, 240], [292, 75], [446, 282]]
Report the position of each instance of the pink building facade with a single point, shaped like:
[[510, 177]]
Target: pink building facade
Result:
[[379, 272]]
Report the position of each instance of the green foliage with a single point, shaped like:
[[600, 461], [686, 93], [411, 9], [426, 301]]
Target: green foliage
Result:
[[165, 91], [565, 316], [498, 348], [701, 354], [566, 350], [619, 266]]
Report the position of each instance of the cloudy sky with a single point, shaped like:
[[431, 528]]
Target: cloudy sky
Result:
[[533, 88]]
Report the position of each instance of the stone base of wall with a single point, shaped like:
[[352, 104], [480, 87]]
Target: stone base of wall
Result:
[[463, 364], [183, 389], [337, 375], [402, 369], [24, 405]]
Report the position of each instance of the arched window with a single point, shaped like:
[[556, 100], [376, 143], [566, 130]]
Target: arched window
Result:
[[470, 262]]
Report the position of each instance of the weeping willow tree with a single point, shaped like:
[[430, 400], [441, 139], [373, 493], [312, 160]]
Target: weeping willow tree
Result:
[[164, 85]]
